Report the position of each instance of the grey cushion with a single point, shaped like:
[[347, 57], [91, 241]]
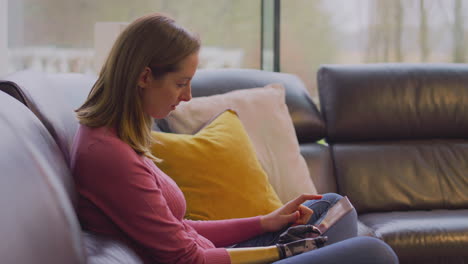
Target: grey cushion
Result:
[[52, 98], [102, 250]]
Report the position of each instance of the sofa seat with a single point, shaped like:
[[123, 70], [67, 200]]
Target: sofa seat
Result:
[[101, 250], [433, 234]]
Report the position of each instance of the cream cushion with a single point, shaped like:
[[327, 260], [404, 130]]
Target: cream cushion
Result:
[[265, 116]]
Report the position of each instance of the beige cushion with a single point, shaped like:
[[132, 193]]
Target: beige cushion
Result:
[[265, 116]]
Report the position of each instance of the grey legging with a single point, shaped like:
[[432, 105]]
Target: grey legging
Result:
[[343, 245]]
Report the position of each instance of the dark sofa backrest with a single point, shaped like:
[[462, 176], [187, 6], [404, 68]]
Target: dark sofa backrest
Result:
[[398, 134], [37, 223]]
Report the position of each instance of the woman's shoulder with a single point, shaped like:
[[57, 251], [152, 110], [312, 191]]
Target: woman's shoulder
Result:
[[100, 157], [101, 143]]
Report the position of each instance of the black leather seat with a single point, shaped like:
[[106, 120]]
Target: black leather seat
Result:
[[398, 135]]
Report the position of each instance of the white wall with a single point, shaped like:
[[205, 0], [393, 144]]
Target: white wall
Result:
[[3, 37]]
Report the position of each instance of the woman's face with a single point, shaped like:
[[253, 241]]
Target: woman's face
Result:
[[161, 96]]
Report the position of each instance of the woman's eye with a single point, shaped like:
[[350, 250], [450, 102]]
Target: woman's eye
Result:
[[181, 85]]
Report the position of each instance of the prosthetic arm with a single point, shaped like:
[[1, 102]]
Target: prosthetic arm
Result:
[[270, 254], [299, 232]]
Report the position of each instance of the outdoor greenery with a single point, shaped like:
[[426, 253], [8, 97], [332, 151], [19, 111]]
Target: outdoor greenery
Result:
[[313, 32]]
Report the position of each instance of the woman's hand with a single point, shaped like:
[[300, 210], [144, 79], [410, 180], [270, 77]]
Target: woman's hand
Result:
[[292, 212]]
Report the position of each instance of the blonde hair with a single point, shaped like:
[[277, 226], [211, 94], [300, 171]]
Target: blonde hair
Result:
[[153, 41]]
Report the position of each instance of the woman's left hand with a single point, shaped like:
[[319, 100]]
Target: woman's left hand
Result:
[[292, 212]]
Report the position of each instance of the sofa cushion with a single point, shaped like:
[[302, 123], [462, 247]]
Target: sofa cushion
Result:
[[12, 89], [102, 250], [52, 98], [264, 114], [37, 223], [394, 101], [217, 170], [306, 118], [419, 236], [403, 175]]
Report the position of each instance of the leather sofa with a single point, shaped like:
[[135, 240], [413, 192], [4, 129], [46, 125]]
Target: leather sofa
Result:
[[398, 138], [395, 148]]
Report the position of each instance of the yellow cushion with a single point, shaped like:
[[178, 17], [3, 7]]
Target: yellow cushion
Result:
[[217, 170]]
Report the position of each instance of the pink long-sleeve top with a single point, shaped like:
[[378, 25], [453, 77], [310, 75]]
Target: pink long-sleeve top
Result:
[[124, 196]]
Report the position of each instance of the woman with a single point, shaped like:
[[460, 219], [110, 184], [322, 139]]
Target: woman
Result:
[[123, 195]]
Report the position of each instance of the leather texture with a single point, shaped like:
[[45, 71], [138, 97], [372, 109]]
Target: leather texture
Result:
[[403, 175], [38, 223], [398, 137], [437, 236], [394, 101], [319, 163], [307, 120]]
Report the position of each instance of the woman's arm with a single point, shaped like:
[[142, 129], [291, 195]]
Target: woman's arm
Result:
[[293, 212], [224, 233], [227, 232]]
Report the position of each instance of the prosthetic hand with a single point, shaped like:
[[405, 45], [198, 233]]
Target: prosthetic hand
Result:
[[300, 246], [299, 232]]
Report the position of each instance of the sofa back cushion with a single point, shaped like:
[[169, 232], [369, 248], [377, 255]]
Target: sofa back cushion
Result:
[[307, 120], [394, 101], [398, 134], [52, 98], [38, 223]]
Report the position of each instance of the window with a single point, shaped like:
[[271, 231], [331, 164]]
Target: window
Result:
[[368, 31], [58, 35]]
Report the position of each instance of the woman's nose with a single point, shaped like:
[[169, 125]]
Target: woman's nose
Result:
[[187, 95]]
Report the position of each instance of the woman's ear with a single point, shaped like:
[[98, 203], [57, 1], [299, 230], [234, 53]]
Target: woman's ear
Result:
[[145, 78]]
